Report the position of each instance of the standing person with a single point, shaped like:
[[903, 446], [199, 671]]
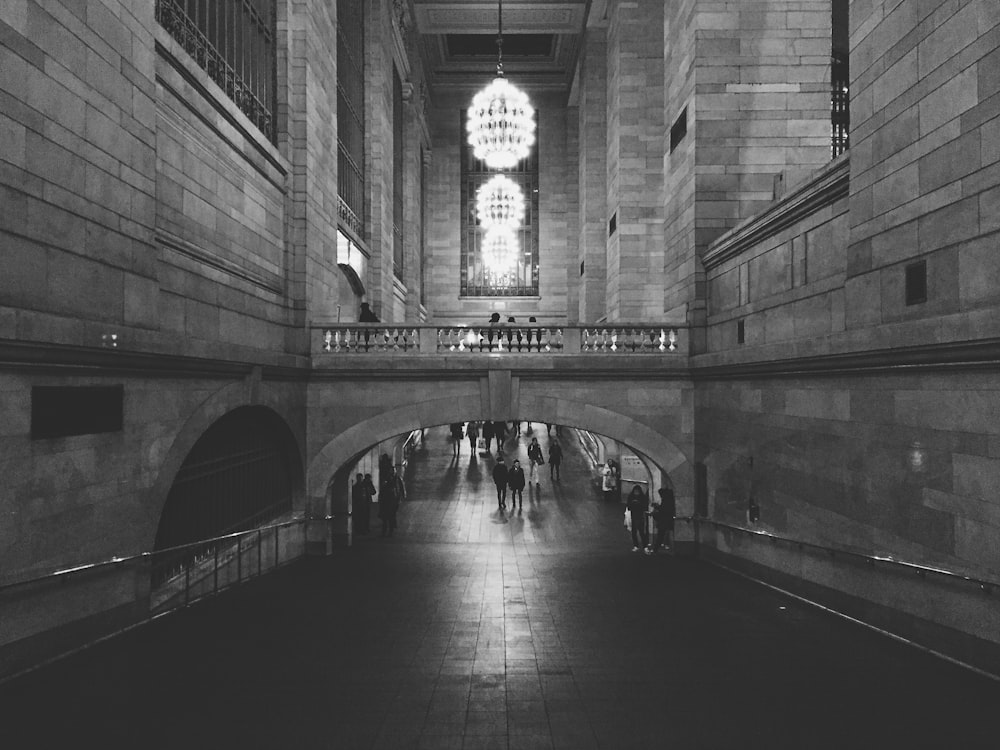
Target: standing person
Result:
[[367, 316], [534, 460], [491, 332], [608, 480], [555, 459], [638, 504], [488, 435], [515, 480], [360, 505], [384, 471], [500, 480], [663, 513], [393, 493], [472, 432], [456, 439], [370, 493]]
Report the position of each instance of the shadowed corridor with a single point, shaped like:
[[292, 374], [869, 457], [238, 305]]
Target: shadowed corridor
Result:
[[474, 629]]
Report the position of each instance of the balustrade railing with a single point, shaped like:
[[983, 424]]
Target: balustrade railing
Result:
[[611, 339]]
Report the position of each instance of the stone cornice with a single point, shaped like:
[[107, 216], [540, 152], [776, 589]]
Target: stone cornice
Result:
[[67, 360], [954, 356], [824, 188]]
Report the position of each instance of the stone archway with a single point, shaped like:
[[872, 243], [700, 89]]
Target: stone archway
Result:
[[336, 452]]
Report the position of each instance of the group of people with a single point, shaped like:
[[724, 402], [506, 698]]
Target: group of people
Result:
[[637, 508], [521, 339], [391, 491]]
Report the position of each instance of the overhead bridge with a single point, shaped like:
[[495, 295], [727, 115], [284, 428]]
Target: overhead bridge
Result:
[[372, 382]]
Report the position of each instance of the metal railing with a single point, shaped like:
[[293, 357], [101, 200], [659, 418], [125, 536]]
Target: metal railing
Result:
[[869, 558], [607, 339], [234, 42], [209, 565]]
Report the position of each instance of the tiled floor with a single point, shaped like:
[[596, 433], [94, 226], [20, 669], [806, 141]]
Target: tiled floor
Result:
[[471, 629]]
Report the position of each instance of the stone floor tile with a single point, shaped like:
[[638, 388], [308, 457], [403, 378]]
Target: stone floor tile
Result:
[[534, 632]]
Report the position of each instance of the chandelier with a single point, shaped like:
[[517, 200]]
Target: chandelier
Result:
[[499, 252], [500, 122], [499, 201]]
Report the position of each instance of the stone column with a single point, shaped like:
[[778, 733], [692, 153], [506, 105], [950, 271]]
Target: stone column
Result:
[[635, 155]]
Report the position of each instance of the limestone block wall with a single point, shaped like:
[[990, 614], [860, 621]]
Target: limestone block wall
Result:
[[899, 466], [635, 155], [925, 185], [781, 282], [755, 78], [592, 93], [557, 220], [682, 294], [77, 148], [221, 201]]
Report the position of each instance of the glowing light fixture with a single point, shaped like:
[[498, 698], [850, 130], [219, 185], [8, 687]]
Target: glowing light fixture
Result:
[[500, 202], [499, 251], [500, 123]]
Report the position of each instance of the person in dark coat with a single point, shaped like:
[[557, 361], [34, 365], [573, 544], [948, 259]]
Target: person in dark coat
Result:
[[535, 460], [361, 503], [663, 513], [515, 480], [638, 504], [500, 480], [555, 459], [384, 471], [367, 316], [500, 430], [490, 332], [488, 435], [472, 431], [392, 495], [456, 439]]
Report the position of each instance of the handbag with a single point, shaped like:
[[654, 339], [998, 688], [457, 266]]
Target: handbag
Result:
[[481, 444], [540, 460], [628, 520]]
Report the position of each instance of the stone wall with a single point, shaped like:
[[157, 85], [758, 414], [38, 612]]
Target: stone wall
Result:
[[855, 420], [924, 180]]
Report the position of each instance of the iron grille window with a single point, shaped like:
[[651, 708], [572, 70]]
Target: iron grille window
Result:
[[474, 279], [350, 113], [234, 42], [397, 174]]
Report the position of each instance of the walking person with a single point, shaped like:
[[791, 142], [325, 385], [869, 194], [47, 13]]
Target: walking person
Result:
[[500, 480], [488, 435], [663, 514], [638, 504], [500, 429], [472, 432], [456, 439], [609, 480], [534, 460], [515, 480], [555, 459]]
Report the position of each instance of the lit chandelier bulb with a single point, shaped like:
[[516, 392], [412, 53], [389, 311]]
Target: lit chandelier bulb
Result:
[[501, 124], [499, 201], [500, 248]]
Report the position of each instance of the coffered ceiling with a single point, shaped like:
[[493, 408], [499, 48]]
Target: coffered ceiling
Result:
[[541, 42]]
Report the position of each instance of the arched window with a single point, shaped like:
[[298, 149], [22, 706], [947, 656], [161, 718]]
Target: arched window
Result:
[[236, 477]]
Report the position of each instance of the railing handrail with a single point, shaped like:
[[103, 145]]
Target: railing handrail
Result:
[[502, 324], [869, 558], [116, 560]]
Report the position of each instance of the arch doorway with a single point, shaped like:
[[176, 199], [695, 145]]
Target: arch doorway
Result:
[[239, 475]]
